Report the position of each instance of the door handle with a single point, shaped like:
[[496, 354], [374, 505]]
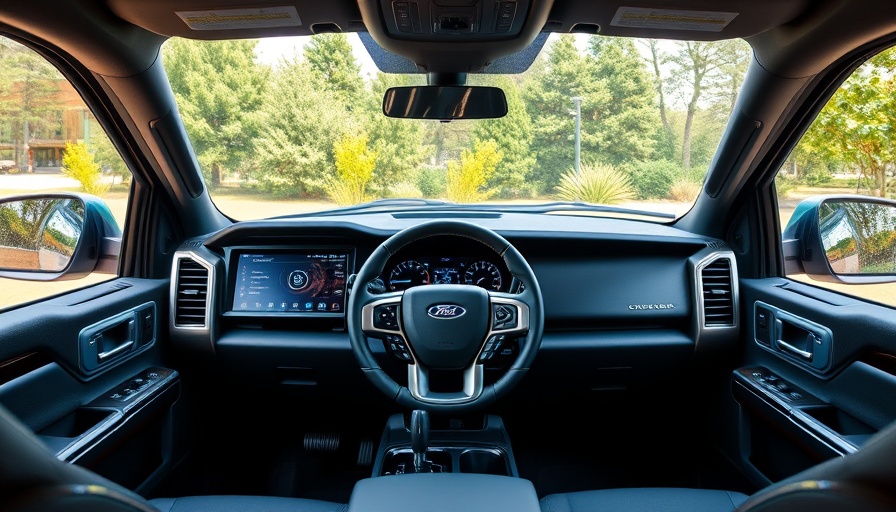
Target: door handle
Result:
[[102, 356], [794, 350]]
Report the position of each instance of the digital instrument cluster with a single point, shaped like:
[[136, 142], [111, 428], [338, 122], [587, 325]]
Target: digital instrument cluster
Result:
[[418, 271]]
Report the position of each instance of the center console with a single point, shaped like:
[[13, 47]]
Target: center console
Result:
[[449, 464], [476, 444]]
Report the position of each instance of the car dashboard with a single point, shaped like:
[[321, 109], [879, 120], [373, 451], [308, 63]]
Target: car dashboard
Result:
[[626, 302]]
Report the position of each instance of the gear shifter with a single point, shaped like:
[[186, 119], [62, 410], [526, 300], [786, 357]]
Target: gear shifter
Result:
[[420, 440]]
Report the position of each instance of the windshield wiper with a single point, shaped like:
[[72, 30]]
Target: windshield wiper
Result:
[[413, 204]]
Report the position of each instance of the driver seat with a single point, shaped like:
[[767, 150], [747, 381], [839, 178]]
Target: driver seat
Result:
[[863, 481], [33, 480]]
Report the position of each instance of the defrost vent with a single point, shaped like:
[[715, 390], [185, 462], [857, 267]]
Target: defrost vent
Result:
[[191, 294], [718, 293]]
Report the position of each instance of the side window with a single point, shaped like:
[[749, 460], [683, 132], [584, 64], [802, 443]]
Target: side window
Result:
[[50, 143], [850, 152]]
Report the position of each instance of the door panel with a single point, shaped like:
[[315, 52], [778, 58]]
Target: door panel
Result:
[[823, 391], [85, 371]]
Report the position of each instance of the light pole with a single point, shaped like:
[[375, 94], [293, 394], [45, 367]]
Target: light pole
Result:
[[578, 101]]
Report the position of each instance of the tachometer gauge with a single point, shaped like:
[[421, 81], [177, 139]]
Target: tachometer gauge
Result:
[[407, 274], [484, 274]]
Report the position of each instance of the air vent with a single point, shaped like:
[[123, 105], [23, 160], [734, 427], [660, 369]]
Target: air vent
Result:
[[191, 294], [718, 294]]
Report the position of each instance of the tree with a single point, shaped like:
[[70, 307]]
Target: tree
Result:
[[513, 135], [856, 126], [295, 148], [219, 90], [626, 119], [548, 91], [665, 148], [467, 178], [330, 57], [398, 143], [700, 68], [28, 94]]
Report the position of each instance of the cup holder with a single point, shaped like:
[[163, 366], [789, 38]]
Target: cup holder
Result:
[[484, 461]]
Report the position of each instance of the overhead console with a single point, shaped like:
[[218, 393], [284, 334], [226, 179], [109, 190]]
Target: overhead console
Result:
[[450, 19]]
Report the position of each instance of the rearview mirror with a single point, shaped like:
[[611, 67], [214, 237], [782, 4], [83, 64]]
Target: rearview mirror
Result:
[[55, 237], [445, 102], [849, 239]]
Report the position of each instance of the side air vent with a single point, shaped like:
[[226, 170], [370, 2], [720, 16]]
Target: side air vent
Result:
[[718, 293], [191, 295]]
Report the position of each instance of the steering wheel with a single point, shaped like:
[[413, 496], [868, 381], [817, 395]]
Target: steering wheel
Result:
[[445, 326]]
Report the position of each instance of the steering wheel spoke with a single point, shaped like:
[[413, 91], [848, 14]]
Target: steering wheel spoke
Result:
[[381, 317], [419, 386]]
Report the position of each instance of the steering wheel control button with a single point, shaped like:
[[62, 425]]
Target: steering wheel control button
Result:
[[386, 317], [505, 317], [398, 347], [491, 347]]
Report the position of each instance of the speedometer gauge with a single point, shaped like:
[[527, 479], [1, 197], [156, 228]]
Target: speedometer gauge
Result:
[[407, 274], [484, 274]]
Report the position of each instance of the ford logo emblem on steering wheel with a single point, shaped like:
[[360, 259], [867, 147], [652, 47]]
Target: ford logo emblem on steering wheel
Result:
[[446, 311]]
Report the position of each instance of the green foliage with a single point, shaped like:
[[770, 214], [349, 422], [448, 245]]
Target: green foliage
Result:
[[466, 179], [399, 143], [295, 150], [78, 163], [561, 74], [28, 96], [785, 184], [856, 127], [403, 189], [596, 183], [513, 135], [106, 155], [706, 72], [618, 120], [354, 168], [653, 179], [432, 181], [330, 57], [219, 90], [627, 119]]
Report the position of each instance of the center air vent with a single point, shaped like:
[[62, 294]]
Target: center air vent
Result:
[[718, 293], [191, 294]]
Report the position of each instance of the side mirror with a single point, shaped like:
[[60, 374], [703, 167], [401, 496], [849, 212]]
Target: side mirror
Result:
[[445, 102], [849, 239], [48, 237]]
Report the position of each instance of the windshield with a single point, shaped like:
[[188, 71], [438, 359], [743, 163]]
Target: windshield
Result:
[[286, 126]]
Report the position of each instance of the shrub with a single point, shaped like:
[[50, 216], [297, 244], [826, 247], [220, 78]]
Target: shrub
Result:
[[404, 189], [78, 163], [654, 179], [354, 169], [784, 184], [596, 183], [685, 190], [466, 179], [431, 181]]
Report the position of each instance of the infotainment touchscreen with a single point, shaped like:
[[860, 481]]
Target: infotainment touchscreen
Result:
[[293, 281]]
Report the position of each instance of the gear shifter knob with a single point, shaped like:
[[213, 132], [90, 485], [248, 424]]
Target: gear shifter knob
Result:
[[419, 438]]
